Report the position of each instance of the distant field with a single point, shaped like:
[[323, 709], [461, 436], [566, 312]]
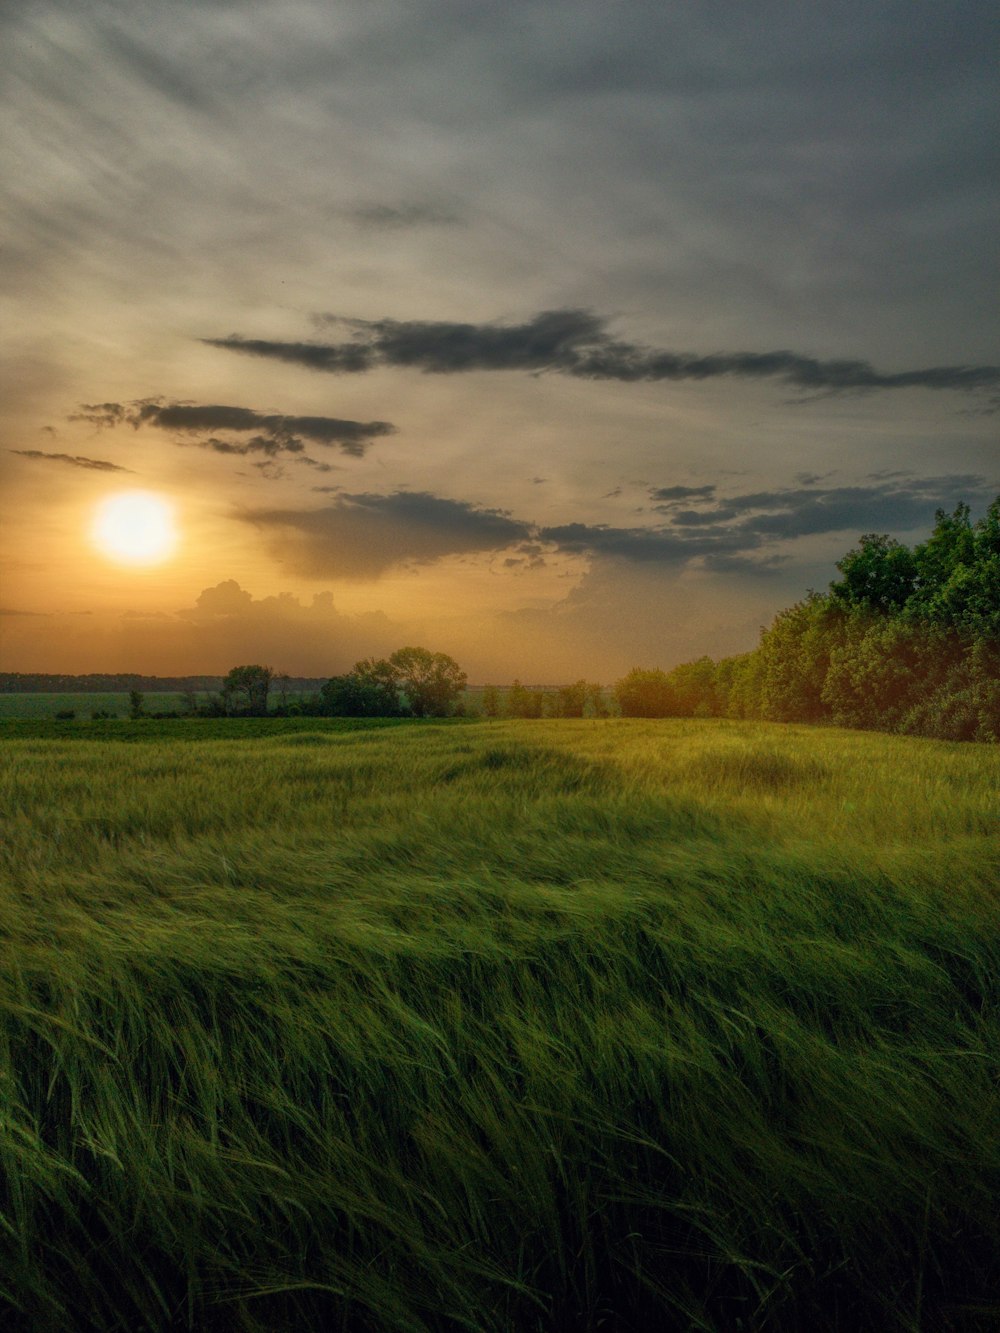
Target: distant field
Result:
[[497, 1027], [47, 705]]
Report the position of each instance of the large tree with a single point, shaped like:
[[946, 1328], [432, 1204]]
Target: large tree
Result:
[[412, 681], [246, 688], [431, 682]]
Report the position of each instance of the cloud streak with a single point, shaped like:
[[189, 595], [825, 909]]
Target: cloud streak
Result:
[[577, 343], [269, 433], [73, 460]]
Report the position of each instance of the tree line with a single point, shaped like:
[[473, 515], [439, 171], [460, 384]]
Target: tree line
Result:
[[906, 640]]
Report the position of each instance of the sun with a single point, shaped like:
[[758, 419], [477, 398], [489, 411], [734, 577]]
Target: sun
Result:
[[135, 528]]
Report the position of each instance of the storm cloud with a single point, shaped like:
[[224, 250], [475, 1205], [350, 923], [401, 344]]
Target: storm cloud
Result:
[[272, 433], [361, 536], [577, 343]]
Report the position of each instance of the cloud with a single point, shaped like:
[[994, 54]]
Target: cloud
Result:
[[670, 494], [226, 625], [400, 217], [269, 433], [901, 505], [74, 460], [361, 536], [577, 342]]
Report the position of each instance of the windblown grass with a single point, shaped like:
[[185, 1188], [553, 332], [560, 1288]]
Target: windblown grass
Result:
[[510, 1026]]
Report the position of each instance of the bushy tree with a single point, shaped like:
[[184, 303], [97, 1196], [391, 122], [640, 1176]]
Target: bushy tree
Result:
[[571, 700], [879, 576], [245, 689], [646, 693], [413, 681], [491, 702], [522, 702], [431, 682]]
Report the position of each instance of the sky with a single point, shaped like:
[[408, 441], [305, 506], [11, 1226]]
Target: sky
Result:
[[562, 336]]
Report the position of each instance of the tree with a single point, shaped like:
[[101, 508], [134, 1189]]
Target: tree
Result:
[[491, 701], [644, 693], [571, 700], [412, 680], [522, 702], [134, 705], [369, 690], [248, 685], [431, 682], [597, 705], [879, 575]]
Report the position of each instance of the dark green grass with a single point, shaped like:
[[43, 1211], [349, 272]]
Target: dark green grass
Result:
[[523, 1026]]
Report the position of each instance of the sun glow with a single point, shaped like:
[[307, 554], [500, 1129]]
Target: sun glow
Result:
[[135, 528]]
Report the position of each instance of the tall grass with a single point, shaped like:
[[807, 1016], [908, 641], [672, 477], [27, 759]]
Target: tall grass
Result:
[[509, 1026]]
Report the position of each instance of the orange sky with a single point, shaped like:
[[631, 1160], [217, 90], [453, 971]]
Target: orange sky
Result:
[[562, 343]]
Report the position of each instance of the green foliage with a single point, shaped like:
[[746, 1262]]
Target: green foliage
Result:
[[135, 705], [571, 700], [245, 689], [412, 682], [430, 682], [524, 703], [370, 689], [646, 693], [405, 1027], [905, 641], [879, 576], [490, 703]]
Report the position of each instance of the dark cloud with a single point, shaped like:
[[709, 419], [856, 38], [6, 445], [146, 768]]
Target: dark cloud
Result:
[[74, 460], [101, 414], [577, 343], [893, 506], [361, 536], [661, 545], [272, 433], [729, 536], [673, 494], [401, 217]]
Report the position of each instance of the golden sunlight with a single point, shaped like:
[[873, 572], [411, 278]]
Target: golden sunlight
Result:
[[135, 528]]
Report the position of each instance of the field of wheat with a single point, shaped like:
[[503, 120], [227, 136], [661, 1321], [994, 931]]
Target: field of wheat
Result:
[[542, 1026]]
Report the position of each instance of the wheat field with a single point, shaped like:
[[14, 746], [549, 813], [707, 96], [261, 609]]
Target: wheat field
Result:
[[564, 1025]]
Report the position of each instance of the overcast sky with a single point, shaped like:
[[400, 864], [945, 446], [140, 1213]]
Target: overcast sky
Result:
[[560, 336]]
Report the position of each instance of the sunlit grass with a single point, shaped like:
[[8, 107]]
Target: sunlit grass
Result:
[[499, 1026]]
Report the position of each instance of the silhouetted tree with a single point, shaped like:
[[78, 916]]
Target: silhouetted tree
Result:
[[370, 690], [431, 682], [248, 685]]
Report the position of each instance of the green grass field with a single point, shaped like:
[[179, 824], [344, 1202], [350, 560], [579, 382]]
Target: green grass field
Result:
[[540, 1026], [47, 705]]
